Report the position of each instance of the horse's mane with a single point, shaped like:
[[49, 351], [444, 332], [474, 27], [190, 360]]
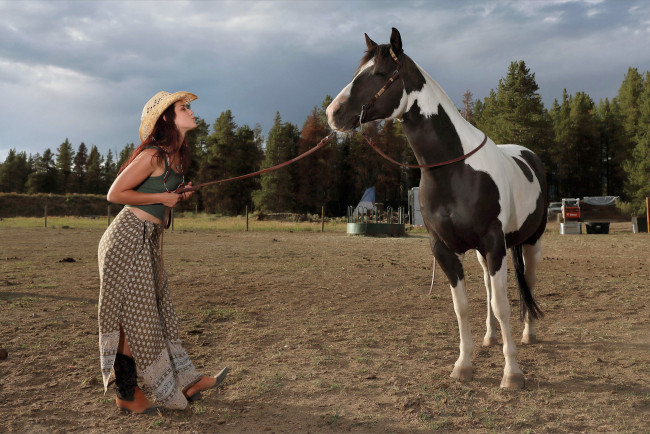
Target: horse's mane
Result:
[[384, 51]]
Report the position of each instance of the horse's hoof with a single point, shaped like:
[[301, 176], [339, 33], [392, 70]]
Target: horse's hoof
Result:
[[529, 339], [490, 342], [462, 374], [513, 381]]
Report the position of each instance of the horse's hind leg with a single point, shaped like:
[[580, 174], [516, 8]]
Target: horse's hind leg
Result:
[[532, 257], [452, 266], [490, 338]]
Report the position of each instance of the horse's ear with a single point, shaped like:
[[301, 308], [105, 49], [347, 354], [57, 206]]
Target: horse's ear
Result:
[[369, 42], [396, 41]]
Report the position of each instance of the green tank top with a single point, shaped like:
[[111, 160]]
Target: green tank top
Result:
[[154, 184]]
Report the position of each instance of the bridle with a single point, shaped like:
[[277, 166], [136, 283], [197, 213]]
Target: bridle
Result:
[[364, 113]]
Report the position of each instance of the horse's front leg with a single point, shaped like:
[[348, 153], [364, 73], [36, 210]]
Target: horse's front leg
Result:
[[452, 266], [513, 377], [490, 338]]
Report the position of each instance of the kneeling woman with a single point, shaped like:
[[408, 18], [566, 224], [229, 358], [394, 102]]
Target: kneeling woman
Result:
[[138, 328]]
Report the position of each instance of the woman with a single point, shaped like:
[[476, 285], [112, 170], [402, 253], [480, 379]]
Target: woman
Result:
[[138, 328]]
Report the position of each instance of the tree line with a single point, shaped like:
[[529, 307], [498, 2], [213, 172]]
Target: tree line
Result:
[[588, 149]]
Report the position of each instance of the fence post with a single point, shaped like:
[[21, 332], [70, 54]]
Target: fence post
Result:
[[246, 218], [647, 212], [322, 219], [45, 214], [109, 214]]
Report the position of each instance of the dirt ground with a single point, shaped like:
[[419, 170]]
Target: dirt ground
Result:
[[332, 333]]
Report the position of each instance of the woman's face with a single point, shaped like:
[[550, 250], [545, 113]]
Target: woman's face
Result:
[[184, 117]]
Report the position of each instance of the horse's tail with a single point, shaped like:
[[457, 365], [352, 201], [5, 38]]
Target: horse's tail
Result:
[[527, 303]]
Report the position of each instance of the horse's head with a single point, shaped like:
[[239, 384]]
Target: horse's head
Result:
[[374, 72]]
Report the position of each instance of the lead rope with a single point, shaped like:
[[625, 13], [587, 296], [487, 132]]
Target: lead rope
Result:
[[320, 144]]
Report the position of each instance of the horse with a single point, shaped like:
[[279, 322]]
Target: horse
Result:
[[474, 194]]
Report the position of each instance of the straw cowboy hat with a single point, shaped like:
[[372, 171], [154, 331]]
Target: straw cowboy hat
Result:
[[156, 106]]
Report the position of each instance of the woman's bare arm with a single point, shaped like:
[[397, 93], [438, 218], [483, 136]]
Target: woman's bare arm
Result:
[[123, 189]]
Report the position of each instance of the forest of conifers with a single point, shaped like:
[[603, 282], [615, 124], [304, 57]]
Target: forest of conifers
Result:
[[588, 149]]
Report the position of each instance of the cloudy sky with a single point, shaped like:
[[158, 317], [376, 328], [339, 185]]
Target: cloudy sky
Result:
[[84, 69]]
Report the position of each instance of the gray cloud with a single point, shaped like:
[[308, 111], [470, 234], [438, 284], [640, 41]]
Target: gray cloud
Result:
[[83, 70]]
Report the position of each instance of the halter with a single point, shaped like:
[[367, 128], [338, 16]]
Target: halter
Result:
[[391, 79], [364, 112]]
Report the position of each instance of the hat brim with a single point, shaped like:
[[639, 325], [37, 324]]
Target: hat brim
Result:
[[150, 117]]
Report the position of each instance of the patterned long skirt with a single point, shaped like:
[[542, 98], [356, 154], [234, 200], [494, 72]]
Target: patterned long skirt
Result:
[[134, 295]]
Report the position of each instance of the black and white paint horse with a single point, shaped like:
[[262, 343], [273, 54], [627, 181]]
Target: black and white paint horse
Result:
[[491, 201]]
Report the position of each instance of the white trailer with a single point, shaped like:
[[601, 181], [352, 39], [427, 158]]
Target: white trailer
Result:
[[415, 216]]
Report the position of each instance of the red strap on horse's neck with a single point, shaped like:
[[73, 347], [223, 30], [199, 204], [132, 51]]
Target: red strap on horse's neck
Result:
[[422, 166]]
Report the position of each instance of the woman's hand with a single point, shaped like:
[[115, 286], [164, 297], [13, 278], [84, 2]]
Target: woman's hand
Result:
[[171, 199]]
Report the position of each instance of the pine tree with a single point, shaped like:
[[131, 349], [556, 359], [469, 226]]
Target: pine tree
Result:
[[219, 162], [315, 174], [577, 166], [14, 172], [44, 177], [611, 148], [391, 186], [197, 141], [515, 112], [627, 102], [94, 183], [230, 151], [248, 158], [79, 169], [108, 172], [125, 153], [64, 158], [638, 165], [278, 192]]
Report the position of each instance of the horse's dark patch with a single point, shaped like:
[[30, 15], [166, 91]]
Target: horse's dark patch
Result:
[[533, 227], [524, 168], [416, 80], [432, 138], [449, 262], [536, 163]]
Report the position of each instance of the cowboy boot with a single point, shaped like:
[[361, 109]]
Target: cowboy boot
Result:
[[129, 396]]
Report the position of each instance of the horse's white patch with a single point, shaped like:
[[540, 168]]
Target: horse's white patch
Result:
[[401, 109], [523, 193], [429, 96], [343, 95]]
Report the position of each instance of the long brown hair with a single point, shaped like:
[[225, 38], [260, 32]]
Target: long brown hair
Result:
[[166, 138]]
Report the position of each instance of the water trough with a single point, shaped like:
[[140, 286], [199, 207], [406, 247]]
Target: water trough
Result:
[[373, 222]]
